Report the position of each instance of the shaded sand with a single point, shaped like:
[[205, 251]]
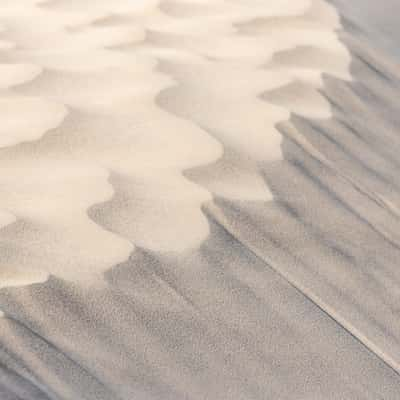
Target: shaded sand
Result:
[[163, 89], [199, 199]]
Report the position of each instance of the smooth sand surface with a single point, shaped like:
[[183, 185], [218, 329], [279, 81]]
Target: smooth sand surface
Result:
[[199, 199]]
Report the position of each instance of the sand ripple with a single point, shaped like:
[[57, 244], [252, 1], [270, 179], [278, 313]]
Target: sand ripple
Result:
[[153, 89], [197, 200]]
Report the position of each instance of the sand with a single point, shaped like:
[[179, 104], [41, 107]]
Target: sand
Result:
[[199, 199]]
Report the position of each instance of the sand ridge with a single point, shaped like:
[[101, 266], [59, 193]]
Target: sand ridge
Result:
[[198, 201], [123, 98]]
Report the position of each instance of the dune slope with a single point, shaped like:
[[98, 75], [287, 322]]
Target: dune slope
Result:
[[199, 199]]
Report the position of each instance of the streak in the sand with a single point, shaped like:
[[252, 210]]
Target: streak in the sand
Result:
[[194, 203]]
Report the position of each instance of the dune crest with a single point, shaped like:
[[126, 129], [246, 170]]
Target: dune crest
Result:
[[199, 199], [124, 118]]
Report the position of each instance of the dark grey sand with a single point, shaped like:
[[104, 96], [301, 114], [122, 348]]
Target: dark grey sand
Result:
[[297, 298]]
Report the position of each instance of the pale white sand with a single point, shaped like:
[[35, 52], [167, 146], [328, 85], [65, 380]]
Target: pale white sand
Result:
[[142, 92], [199, 199]]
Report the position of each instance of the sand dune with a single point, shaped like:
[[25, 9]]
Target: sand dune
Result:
[[198, 199], [186, 94]]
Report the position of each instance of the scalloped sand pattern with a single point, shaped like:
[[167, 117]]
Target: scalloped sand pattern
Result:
[[123, 98], [199, 199]]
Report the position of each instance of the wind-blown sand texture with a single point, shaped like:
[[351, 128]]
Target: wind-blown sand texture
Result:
[[199, 199]]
